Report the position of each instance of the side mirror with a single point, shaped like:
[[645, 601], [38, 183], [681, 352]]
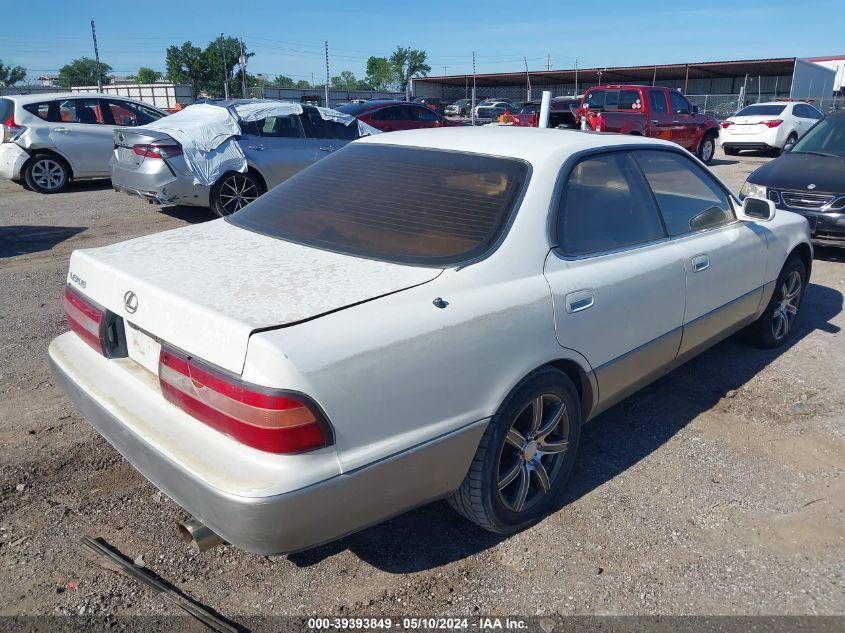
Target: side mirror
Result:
[[757, 210], [695, 109]]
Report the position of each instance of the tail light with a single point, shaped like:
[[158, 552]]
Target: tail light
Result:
[[726, 124], [101, 329], [11, 130], [772, 123], [266, 419], [157, 151]]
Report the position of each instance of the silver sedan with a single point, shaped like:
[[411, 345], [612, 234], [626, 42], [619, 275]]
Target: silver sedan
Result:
[[150, 163]]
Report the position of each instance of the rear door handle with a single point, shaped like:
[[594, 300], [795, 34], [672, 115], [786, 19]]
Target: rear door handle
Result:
[[700, 262], [654, 121], [327, 148], [258, 148], [579, 300], [63, 130]]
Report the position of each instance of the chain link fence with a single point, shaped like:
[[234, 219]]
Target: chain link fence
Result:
[[723, 106]]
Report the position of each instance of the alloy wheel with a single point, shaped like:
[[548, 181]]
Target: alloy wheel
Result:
[[532, 453], [707, 150], [236, 192], [786, 308], [48, 174]]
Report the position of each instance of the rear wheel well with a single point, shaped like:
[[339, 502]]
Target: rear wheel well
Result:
[[803, 252], [257, 174], [49, 152], [582, 384]]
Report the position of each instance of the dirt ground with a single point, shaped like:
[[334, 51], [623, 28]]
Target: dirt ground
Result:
[[717, 490]]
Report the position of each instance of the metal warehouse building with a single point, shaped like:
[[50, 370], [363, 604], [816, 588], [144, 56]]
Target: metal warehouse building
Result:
[[717, 87]]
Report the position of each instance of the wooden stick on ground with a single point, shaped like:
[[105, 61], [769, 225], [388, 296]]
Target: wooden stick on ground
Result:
[[117, 563]]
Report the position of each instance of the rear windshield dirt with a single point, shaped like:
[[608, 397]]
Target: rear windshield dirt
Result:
[[399, 204]]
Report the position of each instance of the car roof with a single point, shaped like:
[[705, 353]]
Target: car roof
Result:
[[776, 103], [535, 145], [49, 96]]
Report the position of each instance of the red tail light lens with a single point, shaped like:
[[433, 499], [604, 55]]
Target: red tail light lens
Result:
[[772, 123], [86, 319], [268, 420], [10, 129], [157, 151], [726, 124]]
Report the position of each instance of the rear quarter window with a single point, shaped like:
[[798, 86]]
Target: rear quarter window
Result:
[[400, 204]]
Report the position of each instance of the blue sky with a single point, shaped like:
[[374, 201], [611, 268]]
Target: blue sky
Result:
[[288, 37]]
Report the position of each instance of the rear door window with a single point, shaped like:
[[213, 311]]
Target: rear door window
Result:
[[605, 206], [689, 199], [400, 204], [424, 114], [657, 100], [86, 111]]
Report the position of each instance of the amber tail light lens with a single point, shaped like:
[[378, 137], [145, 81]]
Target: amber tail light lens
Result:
[[268, 420]]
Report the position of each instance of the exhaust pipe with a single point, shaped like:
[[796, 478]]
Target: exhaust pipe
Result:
[[198, 535]]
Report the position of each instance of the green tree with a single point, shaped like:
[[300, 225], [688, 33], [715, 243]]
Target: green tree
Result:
[[380, 75], [302, 84], [407, 63], [83, 72], [345, 81], [10, 75], [147, 75], [186, 65], [203, 69], [283, 81]]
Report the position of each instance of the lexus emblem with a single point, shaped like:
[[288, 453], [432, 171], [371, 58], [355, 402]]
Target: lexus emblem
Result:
[[130, 302], [811, 186]]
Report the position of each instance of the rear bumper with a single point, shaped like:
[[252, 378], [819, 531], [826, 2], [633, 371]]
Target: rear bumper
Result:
[[12, 159], [746, 145], [265, 524], [159, 185]]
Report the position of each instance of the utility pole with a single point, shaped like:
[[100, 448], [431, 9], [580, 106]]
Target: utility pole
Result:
[[527, 79], [548, 61], [225, 68], [97, 58], [327, 75], [444, 70], [576, 77], [472, 114], [242, 62]]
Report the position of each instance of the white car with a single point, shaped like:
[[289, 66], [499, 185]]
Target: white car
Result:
[[50, 139], [767, 126], [420, 315]]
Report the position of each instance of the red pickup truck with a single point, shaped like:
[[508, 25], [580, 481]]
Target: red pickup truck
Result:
[[649, 111]]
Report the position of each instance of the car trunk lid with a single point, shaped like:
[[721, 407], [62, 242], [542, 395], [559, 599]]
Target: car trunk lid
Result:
[[206, 288], [125, 139]]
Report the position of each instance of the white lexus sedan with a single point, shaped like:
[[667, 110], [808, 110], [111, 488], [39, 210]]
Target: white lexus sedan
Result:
[[421, 315]]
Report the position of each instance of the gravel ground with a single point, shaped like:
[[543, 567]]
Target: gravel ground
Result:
[[716, 490]]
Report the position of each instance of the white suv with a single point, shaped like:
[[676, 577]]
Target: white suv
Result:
[[767, 126], [50, 139]]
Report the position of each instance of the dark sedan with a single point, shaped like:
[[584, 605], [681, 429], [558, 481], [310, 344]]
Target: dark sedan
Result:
[[809, 179], [391, 116]]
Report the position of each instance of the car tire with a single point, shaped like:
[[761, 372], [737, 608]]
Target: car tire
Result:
[[512, 482], [776, 323], [234, 191], [706, 148], [790, 141], [46, 173], [729, 151]]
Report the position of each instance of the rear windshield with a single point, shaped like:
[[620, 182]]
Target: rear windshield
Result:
[[399, 204], [761, 110]]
